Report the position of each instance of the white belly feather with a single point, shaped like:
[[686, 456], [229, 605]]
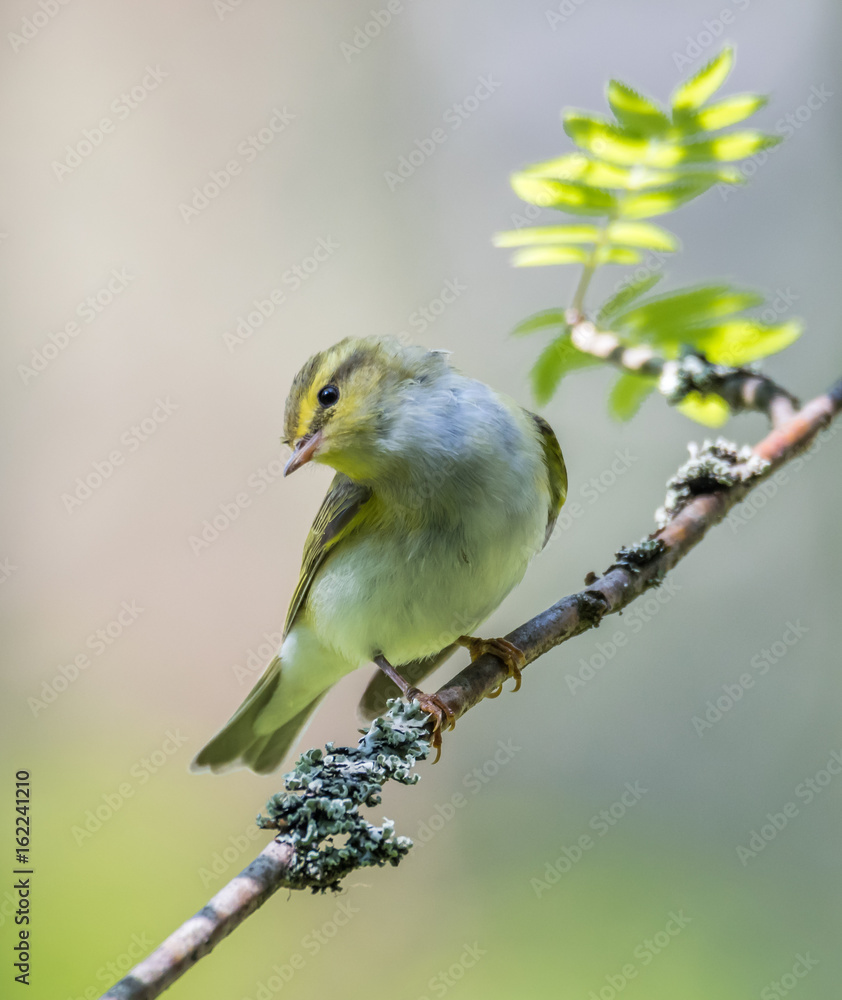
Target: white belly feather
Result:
[[440, 587]]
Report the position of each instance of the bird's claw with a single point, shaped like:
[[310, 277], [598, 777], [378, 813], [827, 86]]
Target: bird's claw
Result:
[[511, 655], [443, 717]]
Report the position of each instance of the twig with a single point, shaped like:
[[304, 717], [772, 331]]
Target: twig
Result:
[[627, 580], [202, 932], [702, 493], [741, 388]]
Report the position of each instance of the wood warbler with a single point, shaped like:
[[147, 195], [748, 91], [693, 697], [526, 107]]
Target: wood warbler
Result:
[[444, 490]]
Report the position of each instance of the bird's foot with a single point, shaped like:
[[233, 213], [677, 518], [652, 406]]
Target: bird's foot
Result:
[[443, 718], [511, 655], [430, 703]]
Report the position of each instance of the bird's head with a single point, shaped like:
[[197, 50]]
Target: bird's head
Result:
[[344, 403]]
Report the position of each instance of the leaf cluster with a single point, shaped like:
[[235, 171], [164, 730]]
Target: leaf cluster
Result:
[[645, 161]]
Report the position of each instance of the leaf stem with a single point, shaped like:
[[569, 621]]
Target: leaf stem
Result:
[[588, 270]]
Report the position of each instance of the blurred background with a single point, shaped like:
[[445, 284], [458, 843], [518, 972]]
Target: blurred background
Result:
[[196, 197]]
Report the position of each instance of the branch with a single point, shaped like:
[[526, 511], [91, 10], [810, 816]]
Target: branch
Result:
[[741, 388], [704, 491], [202, 932], [716, 478]]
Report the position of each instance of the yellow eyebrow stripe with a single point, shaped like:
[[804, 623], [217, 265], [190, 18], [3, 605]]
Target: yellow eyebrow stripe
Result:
[[305, 417]]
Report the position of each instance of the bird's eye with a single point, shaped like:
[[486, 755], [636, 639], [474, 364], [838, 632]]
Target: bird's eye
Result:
[[328, 396]]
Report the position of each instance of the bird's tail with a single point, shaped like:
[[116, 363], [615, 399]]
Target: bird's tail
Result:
[[239, 744]]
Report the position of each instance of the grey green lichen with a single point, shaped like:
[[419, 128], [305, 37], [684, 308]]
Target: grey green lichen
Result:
[[717, 464], [691, 373], [319, 813], [635, 557]]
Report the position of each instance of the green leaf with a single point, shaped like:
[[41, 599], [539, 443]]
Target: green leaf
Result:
[[739, 341], [578, 199], [604, 139], [609, 175], [693, 93], [598, 174], [542, 255], [547, 234], [710, 410], [672, 317], [733, 146], [555, 361], [628, 394], [662, 200], [626, 295], [726, 112], [642, 234], [540, 321], [610, 142], [539, 256], [617, 255], [569, 167], [715, 175], [636, 112]]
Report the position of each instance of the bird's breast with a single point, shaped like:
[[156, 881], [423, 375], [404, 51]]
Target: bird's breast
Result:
[[410, 584]]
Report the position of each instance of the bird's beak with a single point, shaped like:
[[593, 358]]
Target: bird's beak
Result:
[[305, 449]]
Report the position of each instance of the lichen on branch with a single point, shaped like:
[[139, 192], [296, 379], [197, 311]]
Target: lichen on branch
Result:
[[324, 794]]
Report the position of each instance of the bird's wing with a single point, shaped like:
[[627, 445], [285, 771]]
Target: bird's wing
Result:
[[556, 471], [337, 516]]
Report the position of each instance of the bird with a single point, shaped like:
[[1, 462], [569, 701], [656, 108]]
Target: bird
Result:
[[444, 491]]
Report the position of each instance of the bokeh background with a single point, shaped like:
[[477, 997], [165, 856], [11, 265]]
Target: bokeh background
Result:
[[490, 904]]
